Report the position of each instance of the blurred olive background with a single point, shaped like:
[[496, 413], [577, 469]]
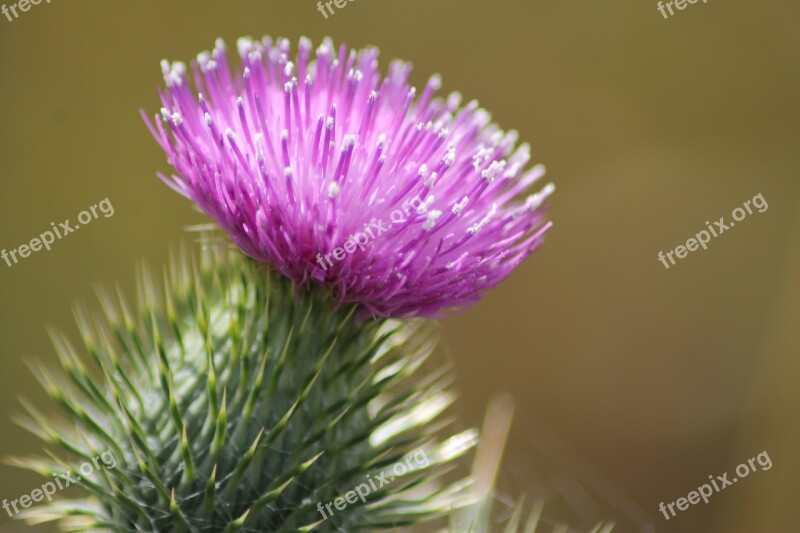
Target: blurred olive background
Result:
[[632, 383]]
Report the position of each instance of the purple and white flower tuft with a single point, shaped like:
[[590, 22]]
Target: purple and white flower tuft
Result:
[[297, 159]]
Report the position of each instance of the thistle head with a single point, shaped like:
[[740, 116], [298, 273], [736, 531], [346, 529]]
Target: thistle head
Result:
[[329, 172]]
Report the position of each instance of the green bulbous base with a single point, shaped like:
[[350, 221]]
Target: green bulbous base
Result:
[[238, 402]]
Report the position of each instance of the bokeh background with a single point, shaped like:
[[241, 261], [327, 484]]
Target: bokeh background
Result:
[[632, 383]]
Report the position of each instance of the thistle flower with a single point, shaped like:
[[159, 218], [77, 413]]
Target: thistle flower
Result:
[[407, 204]]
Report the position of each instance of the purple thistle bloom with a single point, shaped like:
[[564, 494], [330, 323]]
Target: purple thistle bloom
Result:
[[324, 170]]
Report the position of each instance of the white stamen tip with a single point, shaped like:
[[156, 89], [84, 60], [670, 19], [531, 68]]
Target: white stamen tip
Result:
[[454, 100], [481, 156], [431, 220], [482, 117], [205, 62], [494, 168], [450, 157], [534, 201], [258, 138], [333, 190], [430, 180], [173, 72], [459, 207], [475, 228], [244, 45], [229, 134], [423, 170], [512, 170]]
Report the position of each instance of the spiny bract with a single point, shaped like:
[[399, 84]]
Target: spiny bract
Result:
[[241, 406]]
